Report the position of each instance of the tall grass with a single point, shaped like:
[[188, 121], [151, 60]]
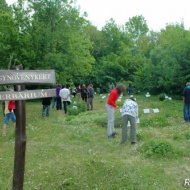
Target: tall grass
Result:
[[72, 152]]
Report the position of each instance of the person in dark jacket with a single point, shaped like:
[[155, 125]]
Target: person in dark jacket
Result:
[[186, 99], [46, 102], [90, 104], [58, 98], [84, 93]]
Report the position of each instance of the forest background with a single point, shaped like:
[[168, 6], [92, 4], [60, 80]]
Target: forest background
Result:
[[51, 34]]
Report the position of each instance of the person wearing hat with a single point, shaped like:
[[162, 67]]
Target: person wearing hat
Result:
[[129, 113]]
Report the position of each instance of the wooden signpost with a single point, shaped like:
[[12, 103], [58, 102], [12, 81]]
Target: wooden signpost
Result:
[[19, 78]]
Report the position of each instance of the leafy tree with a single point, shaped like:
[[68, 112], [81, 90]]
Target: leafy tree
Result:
[[8, 35], [173, 64], [59, 40], [136, 27]]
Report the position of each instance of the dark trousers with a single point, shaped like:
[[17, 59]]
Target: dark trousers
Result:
[[84, 98], [65, 103], [58, 103]]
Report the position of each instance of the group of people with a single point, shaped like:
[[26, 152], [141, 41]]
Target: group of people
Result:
[[63, 98], [129, 110]]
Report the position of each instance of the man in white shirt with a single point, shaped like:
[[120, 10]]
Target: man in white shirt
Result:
[[129, 113], [65, 97]]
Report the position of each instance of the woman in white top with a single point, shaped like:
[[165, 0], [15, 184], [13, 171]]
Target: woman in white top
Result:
[[129, 113]]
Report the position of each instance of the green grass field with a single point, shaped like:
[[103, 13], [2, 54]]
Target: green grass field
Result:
[[73, 152]]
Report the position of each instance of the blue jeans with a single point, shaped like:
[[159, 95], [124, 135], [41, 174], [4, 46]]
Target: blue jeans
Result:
[[9, 116], [45, 110], [54, 103], [186, 112]]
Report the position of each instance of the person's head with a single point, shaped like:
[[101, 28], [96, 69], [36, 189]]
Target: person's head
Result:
[[120, 88], [188, 84]]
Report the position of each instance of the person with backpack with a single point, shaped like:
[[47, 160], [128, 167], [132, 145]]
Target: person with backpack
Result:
[[84, 93]]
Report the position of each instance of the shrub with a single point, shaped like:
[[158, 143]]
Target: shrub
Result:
[[81, 106], [73, 110], [77, 108], [162, 97], [158, 148]]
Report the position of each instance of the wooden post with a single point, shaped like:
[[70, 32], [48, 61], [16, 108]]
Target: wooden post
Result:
[[20, 140]]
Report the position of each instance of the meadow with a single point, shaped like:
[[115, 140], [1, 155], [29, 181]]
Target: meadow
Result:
[[73, 152]]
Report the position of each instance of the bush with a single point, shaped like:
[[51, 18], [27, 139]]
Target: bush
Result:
[[77, 108], [82, 106], [162, 97], [158, 149]]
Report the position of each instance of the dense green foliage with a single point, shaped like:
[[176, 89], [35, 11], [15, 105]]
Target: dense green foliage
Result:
[[54, 34], [68, 152]]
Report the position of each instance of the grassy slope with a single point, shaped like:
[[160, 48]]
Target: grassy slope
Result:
[[73, 152]]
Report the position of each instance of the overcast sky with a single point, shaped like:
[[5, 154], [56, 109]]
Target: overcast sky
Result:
[[157, 13]]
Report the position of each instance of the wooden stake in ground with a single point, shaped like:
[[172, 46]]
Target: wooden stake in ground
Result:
[[20, 140]]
